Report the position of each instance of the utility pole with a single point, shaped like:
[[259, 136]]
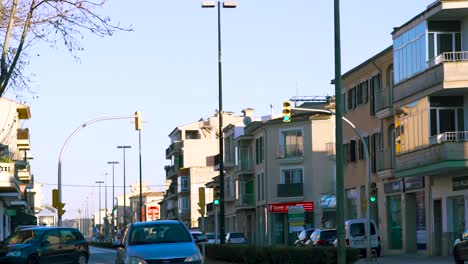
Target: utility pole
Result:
[[113, 196], [100, 219], [124, 185]]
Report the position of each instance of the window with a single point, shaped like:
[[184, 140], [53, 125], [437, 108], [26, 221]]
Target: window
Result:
[[263, 186], [183, 203], [228, 149], [446, 114], [352, 150], [292, 143], [184, 185], [258, 187], [364, 92], [259, 150], [192, 134], [375, 87], [343, 99], [291, 176], [68, 235], [53, 237]]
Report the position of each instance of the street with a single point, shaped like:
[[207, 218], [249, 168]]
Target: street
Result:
[[101, 255], [409, 258]]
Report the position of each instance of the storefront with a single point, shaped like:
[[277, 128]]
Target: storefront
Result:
[[405, 211], [282, 232]]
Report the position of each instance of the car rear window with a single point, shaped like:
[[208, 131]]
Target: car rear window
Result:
[[327, 235], [357, 229], [237, 235]]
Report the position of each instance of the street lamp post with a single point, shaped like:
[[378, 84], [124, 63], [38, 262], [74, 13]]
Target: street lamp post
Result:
[[124, 185], [100, 219], [226, 4], [113, 196]]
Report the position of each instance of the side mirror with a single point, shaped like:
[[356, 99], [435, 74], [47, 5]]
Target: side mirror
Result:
[[457, 241]]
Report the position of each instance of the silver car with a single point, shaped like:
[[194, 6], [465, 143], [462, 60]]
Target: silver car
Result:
[[162, 241]]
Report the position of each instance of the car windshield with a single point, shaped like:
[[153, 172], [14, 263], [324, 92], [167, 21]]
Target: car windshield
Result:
[[23, 237], [158, 234]]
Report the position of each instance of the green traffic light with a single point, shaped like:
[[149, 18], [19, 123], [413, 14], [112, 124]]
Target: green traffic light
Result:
[[286, 118], [373, 199], [216, 202]]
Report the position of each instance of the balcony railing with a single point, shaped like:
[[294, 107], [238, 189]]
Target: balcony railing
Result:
[[247, 200], [290, 190], [384, 99], [385, 160], [176, 145], [290, 151], [245, 165], [458, 56], [23, 133], [170, 171], [460, 136]]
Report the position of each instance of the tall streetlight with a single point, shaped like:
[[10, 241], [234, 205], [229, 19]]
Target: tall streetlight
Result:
[[113, 196], [226, 4], [124, 185], [100, 219], [138, 126], [340, 199]]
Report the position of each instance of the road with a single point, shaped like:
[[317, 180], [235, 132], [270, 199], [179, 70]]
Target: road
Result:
[[101, 255], [409, 258]]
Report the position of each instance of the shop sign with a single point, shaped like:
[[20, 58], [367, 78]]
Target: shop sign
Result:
[[393, 187], [414, 183], [296, 218], [460, 183], [284, 207], [328, 201]]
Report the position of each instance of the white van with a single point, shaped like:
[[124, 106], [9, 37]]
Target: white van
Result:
[[355, 235]]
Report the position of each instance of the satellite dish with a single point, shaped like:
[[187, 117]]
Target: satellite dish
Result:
[[247, 120]]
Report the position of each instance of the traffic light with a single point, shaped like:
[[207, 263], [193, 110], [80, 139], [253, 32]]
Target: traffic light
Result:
[[286, 111], [55, 198], [138, 120], [216, 201], [373, 192], [60, 210], [201, 201], [216, 194]]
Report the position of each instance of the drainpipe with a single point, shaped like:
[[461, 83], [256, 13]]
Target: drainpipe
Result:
[[265, 175]]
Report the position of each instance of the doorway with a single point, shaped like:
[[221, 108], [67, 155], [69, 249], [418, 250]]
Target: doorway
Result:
[[437, 228]]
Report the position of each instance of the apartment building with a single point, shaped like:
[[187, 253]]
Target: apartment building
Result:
[[271, 166], [191, 152], [16, 181], [427, 201], [365, 93], [410, 102]]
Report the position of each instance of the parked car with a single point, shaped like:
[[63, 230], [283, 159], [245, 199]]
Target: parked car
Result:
[[235, 238], [322, 238], [198, 235], [35, 245], [211, 238], [460, 248], [160, 241], [356, 236], [303, 236]]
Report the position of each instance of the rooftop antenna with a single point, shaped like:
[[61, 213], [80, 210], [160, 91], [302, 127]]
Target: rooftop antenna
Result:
[[297, 93], [271, 110]]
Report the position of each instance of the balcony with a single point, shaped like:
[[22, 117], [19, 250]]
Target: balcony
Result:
[[22, 136], [9, 183], [174, 147], [24, 174], [446, 153], [290, 190], [384, 103], [171, 171], [245, 166], [246, 201], [290, 152], [446, 71], [385, 163]]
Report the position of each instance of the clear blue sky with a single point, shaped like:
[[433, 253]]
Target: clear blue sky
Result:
[[167, 69]]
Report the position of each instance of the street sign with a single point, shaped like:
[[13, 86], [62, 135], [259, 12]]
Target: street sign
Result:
[[296, 218], [283, 207], [153, 212]]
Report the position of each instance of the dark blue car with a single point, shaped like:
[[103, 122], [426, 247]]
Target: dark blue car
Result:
[[45, 245]]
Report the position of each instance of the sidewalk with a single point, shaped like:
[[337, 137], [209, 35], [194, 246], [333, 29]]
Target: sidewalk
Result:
[[409, 258]]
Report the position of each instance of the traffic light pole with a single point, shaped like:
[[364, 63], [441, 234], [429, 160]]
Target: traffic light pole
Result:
[[368, 172], [62, 152]]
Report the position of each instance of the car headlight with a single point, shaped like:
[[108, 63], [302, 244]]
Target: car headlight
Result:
[[195, 257], [135, 260], [15, 253]]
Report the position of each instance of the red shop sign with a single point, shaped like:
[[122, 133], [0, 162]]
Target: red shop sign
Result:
[[283, 207]]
